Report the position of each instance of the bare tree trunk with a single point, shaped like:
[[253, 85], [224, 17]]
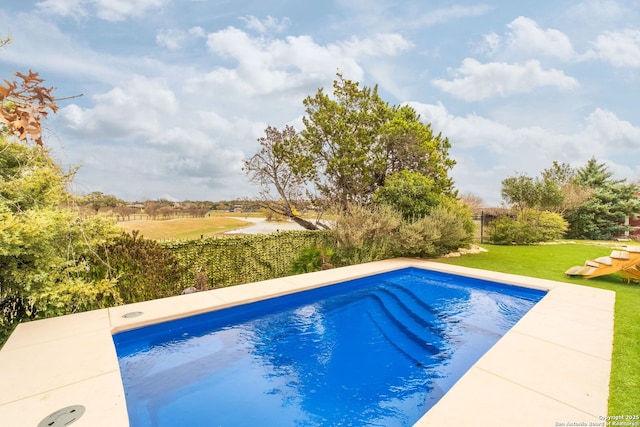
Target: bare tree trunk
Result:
[[304, 223]]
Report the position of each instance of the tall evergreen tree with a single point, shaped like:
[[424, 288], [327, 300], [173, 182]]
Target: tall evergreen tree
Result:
[[602, 216]]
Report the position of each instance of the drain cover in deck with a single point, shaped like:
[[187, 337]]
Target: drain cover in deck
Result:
[[63, 417]]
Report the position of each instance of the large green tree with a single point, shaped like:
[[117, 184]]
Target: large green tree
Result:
[[602, 215], [556, 190], [353, 140], [409, 144], [522, 191]]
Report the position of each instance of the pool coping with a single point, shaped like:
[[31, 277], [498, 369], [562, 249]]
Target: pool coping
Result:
[[550, 369]]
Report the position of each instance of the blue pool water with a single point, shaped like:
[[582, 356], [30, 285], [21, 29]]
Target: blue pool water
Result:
[[376, 351]]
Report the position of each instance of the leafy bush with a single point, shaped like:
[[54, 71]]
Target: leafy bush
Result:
[[448, 227], [504, 230], [41, 269], [77, 295], [142, 269], [418, 238], [411, 193], [43, 243], [366, 233], [455, 225], [313, 258], [547, 225], [530, 226], [370, 233]]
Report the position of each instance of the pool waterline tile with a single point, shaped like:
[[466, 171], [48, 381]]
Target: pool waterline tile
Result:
[[558, 325], [162, 310]]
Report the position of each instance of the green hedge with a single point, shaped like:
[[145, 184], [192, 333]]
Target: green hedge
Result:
[[234, 260]]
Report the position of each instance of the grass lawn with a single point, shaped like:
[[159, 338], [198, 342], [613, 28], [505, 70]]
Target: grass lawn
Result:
[[550, 262], [184, 228]]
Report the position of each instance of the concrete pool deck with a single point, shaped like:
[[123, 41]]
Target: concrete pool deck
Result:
[[551, 368]]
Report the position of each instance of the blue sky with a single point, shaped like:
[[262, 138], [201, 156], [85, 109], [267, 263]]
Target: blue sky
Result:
[[176, 92]]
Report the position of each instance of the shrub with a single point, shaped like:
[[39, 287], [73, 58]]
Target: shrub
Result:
[[504, 230], [449, 226], [142, 268], [366, 233], [530, 226], [370, 233], [313, 258], [455, 224], [417, 238], [547, 226], [43, 241], [76, 296]]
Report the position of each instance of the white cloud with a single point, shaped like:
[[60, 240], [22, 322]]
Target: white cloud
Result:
[[39, 44], [475, 81], [197, 32], [490, 44], [266, 25], [142, 118], [605, 126], [138, 108], [619, 48], [266, 65], [525, 38], [174, 39], [138, 172], [380, 44], [109, 10], [470, 131], [443, 15], [188, 158]]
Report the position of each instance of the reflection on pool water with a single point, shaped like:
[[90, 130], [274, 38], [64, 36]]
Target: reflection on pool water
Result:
[[379, 351]]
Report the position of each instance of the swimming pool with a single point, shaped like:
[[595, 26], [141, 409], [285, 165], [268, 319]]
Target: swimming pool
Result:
[[379, 350]]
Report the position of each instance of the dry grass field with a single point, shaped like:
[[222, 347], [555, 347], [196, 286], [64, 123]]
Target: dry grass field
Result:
[[183, 228]]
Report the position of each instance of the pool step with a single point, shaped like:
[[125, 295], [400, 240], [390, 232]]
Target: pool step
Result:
[[407, 303], [414, 301], [395, 316], [421, 323], [397, 336]]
